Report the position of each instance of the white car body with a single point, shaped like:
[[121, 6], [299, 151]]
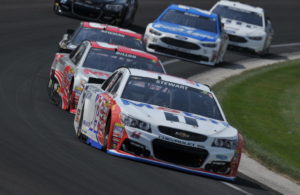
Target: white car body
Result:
[[102, 121], [242, 33], [186, 42]]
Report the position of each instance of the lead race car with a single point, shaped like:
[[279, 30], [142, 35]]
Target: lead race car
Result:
[[159, 119], [94, 62], [116, 12], [246, 25], [100, 32], [187, 33]]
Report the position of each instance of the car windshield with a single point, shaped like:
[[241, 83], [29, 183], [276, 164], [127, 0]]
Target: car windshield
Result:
[[190, 20], [93, 34], [172, 95], [238, 14], [109, 61]]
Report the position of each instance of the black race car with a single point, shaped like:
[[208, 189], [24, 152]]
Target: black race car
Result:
[[116, 12]]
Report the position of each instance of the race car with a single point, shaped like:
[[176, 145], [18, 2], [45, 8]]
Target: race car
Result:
[[247, 26], [187, 33], [100, 32], [159, 119], [94, 62], [116, 12]]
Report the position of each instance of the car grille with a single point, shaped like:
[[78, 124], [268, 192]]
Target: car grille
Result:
[[237, 39], [179, 54], [179, 154], [180, 134], [180, 43]]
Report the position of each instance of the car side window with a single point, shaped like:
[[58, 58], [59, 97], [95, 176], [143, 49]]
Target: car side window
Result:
[[108, 81], [116, 84]]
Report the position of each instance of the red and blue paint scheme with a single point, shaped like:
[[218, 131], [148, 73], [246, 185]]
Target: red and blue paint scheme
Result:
[[70, 72], [108, 119]]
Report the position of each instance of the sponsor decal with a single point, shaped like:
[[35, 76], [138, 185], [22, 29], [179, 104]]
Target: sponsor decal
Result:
[[87, 123], [126, 55], [189, 31], [181, 142], [113, 33], [136, 134], [175, 85]]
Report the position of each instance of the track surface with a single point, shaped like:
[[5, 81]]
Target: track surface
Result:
[[39, 153]]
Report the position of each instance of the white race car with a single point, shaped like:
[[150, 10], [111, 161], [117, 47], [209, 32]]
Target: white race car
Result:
[[159, 119], [247, 26], [187, 33]]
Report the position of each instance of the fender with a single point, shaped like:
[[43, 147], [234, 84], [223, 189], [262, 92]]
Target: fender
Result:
[[237, 156]]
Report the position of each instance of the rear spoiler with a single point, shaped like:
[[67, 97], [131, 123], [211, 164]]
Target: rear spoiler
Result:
[[95, 80]]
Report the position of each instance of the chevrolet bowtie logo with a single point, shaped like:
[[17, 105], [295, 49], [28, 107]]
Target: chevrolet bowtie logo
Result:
[[182, 134]]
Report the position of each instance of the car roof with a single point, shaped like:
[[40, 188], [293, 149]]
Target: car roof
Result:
[[192, 10], [110, 28], [123, 49], [169, 78], [241, 6]]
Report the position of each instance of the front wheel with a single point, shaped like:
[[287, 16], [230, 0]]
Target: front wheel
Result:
[[53, 88], [106, 134], [78, 132], [56, 8]]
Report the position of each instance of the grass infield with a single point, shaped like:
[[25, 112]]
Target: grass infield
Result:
[[264, 105]]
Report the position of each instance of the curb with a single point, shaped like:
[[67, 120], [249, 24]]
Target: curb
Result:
[[248, 166]]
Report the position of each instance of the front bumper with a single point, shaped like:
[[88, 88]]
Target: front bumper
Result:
[[168, 165], [243, 42], [193, 52], [150, 148]]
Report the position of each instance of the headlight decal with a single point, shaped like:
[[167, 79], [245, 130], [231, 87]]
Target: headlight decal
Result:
[[155, 32], [135, 123], [224, 143]]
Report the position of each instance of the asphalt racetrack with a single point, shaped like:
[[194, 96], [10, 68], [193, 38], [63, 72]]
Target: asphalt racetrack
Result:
[[39, 152]]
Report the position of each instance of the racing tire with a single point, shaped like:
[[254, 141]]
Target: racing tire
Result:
[[78, 132], [106, 134], [54, 97], [57, 9], [265, 52], [128, 22]]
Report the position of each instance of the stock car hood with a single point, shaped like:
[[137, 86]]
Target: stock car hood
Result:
[[185, 31], [241, 28], [156, 116]]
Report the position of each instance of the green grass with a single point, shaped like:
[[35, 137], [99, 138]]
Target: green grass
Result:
[[264, 105]]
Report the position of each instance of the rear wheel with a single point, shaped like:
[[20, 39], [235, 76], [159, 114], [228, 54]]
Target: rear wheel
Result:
[[79, 133]]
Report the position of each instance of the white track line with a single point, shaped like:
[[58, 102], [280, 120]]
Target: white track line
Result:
[[236, 188], [272, 46]]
